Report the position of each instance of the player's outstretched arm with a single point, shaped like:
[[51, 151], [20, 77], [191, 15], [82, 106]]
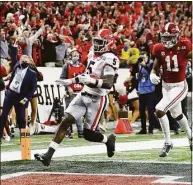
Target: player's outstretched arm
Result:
[[105, 83], [83, 78], [67, 82]]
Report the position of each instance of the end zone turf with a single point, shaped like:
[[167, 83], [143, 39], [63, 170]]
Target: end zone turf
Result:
[[50, 178]]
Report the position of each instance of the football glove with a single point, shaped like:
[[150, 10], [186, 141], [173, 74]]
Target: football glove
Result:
[[86, 79], [154, 78]]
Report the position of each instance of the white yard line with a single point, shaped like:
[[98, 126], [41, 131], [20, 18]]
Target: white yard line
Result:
[[96, 149]]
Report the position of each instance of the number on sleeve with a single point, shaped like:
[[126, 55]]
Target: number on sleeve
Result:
[[168, 63], [89, 68], [114, 61]]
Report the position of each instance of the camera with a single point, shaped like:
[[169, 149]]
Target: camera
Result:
[[58, 110]]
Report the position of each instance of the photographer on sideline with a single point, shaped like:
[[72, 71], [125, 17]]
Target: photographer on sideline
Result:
[[146, 92], [70, 70]]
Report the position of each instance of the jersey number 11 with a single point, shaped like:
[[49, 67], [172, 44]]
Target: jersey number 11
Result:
[[175, 62]]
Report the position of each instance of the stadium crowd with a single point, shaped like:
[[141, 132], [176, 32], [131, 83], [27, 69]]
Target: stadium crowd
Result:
[[76, 23], [47, 31]]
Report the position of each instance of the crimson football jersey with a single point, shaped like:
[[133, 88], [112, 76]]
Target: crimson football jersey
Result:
[[74, 71], [173, 61]]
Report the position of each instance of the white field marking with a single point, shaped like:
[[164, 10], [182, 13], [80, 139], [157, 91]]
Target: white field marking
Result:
[[38, 142], [169, 180], [126, 161], [97, 149], [163, 178]]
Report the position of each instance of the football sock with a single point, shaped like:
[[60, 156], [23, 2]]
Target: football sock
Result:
[[164, 122], [54, 145], [104, 139], [52, 148], [184, 124]]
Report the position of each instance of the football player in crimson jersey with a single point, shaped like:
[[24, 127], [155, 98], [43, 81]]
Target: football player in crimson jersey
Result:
[[92, 100], [172, 55]]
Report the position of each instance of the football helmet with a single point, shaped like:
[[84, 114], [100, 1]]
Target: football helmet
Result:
[[170, 35], [103, 41]]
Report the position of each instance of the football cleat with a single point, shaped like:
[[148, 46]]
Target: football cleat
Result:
[[142, 132], [111, 145], [165, 151], [44, 158]]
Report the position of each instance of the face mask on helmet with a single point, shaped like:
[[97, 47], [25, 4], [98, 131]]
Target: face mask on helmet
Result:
[[99, 44], [169, 41], [170, 35]]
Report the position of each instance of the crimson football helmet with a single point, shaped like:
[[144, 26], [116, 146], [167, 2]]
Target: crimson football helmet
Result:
[[170, 35], [103, 41]]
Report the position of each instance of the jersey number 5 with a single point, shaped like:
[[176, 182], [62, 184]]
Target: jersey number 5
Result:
[[89, 68], [175, 67]]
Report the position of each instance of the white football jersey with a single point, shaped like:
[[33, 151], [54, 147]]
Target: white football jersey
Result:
[[98, 67]]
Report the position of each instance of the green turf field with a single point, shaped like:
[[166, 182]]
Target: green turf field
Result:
[[143, 162]]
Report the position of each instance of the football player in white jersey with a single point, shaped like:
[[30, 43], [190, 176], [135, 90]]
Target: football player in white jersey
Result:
[[92, 100]]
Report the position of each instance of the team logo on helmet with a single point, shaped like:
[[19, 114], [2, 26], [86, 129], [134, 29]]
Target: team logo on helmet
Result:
[[170, 35]]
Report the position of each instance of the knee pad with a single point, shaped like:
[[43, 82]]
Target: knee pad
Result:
[[178, 118], [93, 136]]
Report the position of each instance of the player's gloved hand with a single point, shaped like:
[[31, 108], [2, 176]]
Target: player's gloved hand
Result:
[[64, 82], [23, 101], [154, 78], [86, 79]]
